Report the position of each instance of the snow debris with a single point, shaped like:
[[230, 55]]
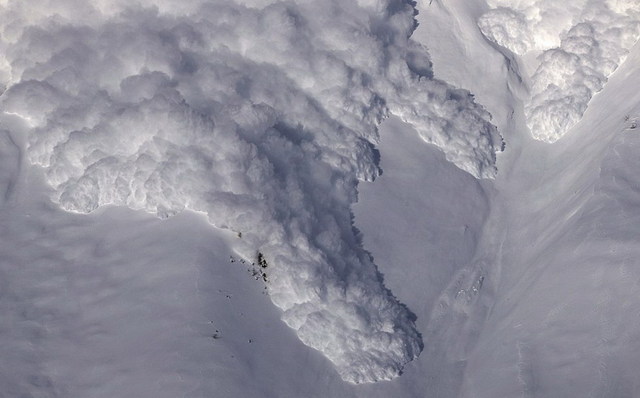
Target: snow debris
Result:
[[261, 114], [581, 43]]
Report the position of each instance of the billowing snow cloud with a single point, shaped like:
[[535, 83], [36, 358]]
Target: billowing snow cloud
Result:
[[260, 114], [582, 43]]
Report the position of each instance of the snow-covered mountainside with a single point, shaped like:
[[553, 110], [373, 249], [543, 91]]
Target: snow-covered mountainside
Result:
[[179, 178]]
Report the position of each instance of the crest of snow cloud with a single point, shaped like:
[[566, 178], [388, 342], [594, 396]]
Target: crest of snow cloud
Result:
[[260, 114], [582, 43]]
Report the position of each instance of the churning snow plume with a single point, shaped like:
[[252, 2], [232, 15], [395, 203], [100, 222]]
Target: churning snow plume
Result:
[[261, 114], [581, 42]]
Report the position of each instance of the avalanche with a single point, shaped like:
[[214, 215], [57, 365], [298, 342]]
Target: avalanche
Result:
[[578, 44], [145, 144], [261, 115]]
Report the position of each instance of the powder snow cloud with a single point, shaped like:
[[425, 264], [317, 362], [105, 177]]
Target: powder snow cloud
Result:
[[263, 115], [581, 43]]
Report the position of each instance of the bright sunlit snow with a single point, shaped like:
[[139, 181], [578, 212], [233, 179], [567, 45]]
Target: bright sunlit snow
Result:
[[262, 198]]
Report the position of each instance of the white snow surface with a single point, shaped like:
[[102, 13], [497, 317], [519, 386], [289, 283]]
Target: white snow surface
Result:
[[579, 42], [260, 118]]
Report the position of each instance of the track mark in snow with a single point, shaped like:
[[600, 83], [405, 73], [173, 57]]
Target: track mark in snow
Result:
[[459, 313], [525, 369]]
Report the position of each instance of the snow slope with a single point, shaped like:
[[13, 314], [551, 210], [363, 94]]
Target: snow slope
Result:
[[519, 286], [564, 321], [562, 287]]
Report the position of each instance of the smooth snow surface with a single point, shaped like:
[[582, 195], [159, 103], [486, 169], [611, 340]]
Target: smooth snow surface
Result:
[[261, 118]]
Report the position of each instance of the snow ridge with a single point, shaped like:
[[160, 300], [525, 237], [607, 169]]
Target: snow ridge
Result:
[[263, 116], [582, 43]]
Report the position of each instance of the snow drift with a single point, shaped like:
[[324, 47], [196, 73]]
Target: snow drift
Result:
[[581, 43], [262, 115]]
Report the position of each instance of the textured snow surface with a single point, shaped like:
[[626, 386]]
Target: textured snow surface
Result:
[[263, 116], [579, 42]]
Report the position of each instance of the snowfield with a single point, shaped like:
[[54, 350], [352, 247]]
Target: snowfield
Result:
[[278, 199]]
